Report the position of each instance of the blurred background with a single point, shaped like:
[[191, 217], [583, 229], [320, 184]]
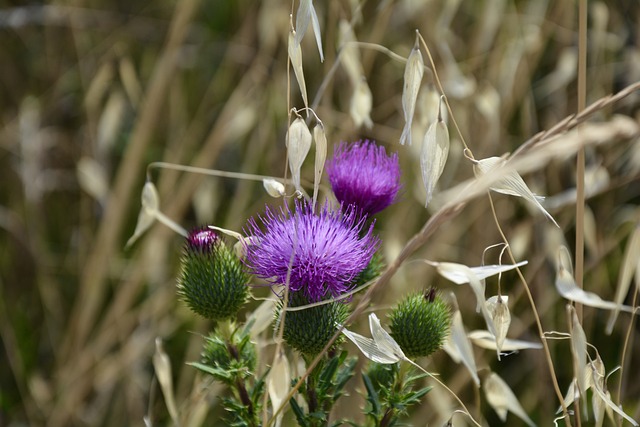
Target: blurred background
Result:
[[93, 91]]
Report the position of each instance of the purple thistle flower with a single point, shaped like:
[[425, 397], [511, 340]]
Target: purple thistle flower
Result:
[[363, 175], [328, 249]]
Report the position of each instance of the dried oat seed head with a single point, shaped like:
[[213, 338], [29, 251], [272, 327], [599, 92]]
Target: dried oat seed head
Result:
[[413, 73], [298, 145], [435, 150]]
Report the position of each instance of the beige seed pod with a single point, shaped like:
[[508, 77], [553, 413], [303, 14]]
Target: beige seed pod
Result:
[[630, 267], [578, 352], [146, 217], [459, 347], [349, 53], [298, 145], [295, 56], [361, 103], [413, 73], [503, 400], [435, 150], [501, 317], [162, 366], [274, 188], [320, 139], [307, 13]]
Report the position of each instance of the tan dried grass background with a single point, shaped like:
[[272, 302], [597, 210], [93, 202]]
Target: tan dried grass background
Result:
[[91, 92]]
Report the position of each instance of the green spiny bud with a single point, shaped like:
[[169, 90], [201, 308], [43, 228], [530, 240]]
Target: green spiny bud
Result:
[[221, 352], [371, 271], [228, 358], [309, 330], [420, 323], [212, 280]]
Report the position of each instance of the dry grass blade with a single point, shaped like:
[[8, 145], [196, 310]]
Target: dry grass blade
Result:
[[150, 202], [630, 266], [162, 365], [567, 287], [93, 178], [502, 399]]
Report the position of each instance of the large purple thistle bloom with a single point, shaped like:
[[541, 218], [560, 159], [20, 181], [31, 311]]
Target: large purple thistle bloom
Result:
[[328, 249], [364, 175]]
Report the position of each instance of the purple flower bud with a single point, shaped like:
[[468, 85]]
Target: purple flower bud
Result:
[[324, 251], [202, 240], [363, 175]]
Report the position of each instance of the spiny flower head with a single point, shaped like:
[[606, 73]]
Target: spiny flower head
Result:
[[420, 323], [309, 330], [364, 175], [212, 280], [325, 251]]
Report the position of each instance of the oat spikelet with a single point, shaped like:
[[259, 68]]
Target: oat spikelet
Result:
[[298, 145], [435, 150], [295, 56], [361, 104], [320, 139], [413, 73]]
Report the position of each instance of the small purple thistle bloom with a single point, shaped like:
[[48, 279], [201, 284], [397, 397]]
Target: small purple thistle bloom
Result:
[[328, 249], [363, 175]]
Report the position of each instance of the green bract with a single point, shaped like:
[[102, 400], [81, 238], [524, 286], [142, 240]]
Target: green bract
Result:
[[212, 280], [420, 324]]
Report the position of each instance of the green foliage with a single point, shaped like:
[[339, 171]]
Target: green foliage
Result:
[[390, 392], [232, 361], [322, 388], [373, 270], [309, 330]]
